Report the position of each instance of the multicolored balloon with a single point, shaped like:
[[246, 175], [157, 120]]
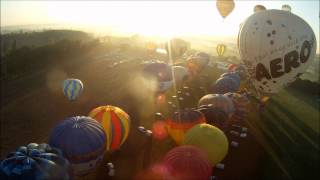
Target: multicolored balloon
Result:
[[158, 73], [116, 124], [224, 85], [284, 46], [35, 161], [209, 139], [181, 122], [241, 104], [82, 141], [219, 101], [221, 48], [72, 88], [225, 7], [187, 163]]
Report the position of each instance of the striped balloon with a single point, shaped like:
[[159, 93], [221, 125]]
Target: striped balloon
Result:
[[221, 48], [116, 124], [218, 100], [188, 163], [241, 104], [72, 88], [181, 122], [82, 141], [35, 161]]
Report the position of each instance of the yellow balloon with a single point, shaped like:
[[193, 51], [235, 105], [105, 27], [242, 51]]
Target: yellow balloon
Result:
[[225, 7], [210, 139], [221, 48]]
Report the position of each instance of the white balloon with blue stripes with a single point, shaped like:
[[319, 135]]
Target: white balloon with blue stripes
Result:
[[72, 88]]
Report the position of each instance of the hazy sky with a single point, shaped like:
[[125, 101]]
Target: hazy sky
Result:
[[164, 18]]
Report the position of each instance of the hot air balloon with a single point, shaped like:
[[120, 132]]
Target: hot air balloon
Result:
[[182, 121], [82, 141], [158, 74], [225, 7], [234, 75], [221, 48], [116, 124], [259, 8], [224, 85], [209, 139], [35, 161], [286, 7], [241, 105], [215, 116], [197, 62], [181, 74], [187, 163], [219, 101], [72, 88], [177, 47], [263, 35], [231, 67]]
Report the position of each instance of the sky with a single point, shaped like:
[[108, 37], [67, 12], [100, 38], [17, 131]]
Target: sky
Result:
[[162, 18]]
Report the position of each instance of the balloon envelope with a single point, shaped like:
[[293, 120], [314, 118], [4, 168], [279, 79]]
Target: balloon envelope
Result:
[[215, 116], [209, 139], [35, 161], [225, 7], [276, 47], [180, 73], [188, 163], [259, 8], [115, 122], [233, 75], [221, 48], [197, 62], [182, 121], [224, 85], [241, 105], [158, 73], [82, 141], [286, 7], [219, 101], [72, 88]]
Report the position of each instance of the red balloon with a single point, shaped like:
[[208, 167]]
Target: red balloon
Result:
[[188, 163]]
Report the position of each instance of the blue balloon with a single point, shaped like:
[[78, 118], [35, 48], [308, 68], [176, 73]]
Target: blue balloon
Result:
[[82, 140], [233, 75], [225, 85], [35, 161], [72, 88]]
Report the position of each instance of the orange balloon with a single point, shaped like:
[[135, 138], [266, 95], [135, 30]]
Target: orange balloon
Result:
[[225, 7]]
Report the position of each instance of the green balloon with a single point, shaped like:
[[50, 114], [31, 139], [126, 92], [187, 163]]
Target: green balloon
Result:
[[210, 139]]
